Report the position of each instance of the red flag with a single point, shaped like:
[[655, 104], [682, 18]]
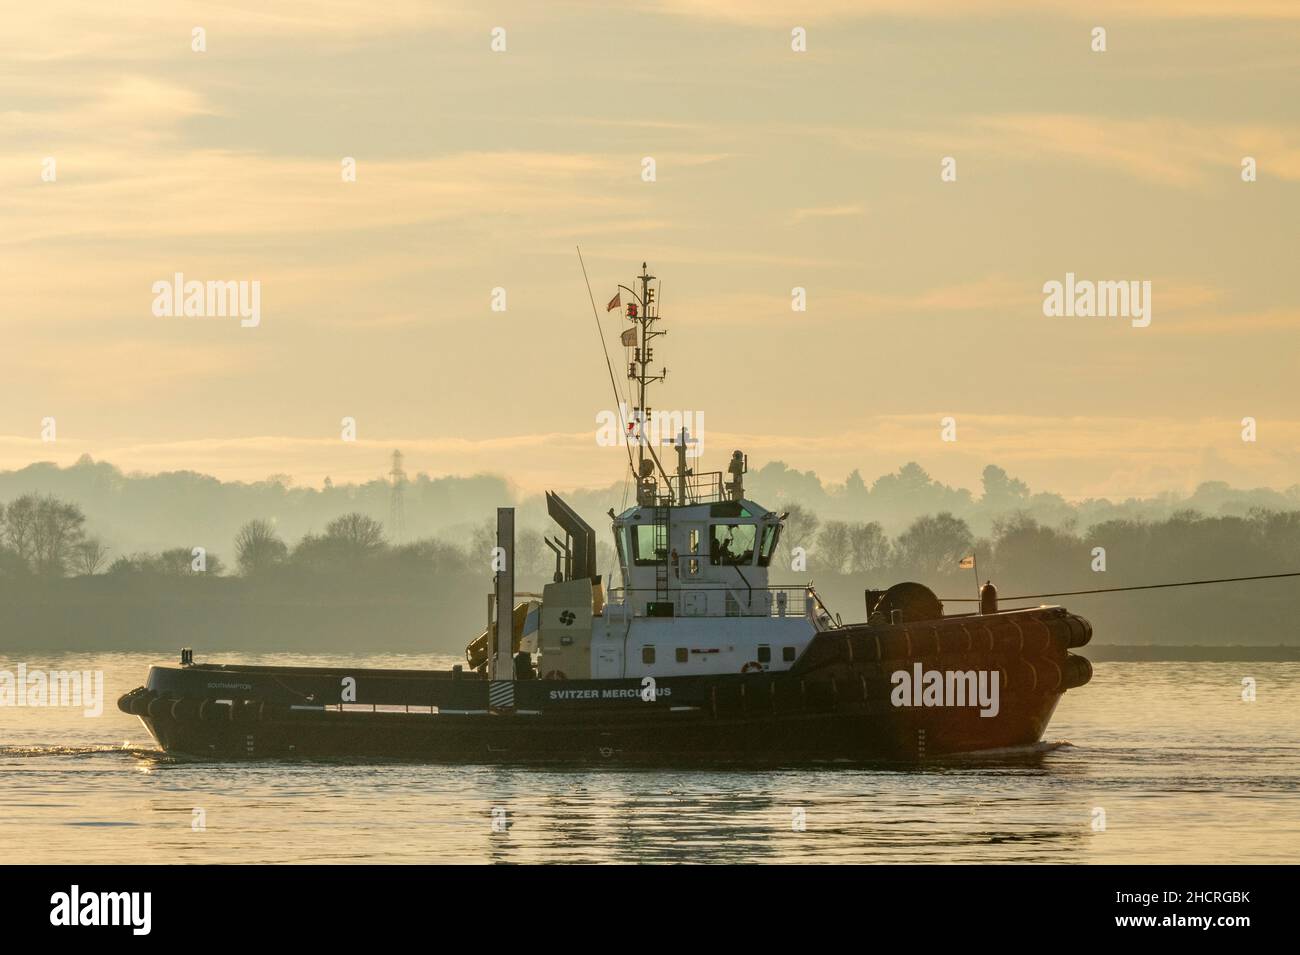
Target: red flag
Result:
[[615, 301], [629, 337]]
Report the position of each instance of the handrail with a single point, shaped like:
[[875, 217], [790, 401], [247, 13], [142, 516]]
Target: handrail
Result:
[[703, 488], [775, 607]]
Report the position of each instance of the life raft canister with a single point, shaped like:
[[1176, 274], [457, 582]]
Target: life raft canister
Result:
[[988, 598]]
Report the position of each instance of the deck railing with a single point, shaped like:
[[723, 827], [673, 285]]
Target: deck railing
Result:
[[703, 488], [793, 600]]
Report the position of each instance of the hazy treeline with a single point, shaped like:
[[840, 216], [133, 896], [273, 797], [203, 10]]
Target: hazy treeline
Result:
[[897, 499], [1023, 557], [345, 588], [153, 512], [348, 584]]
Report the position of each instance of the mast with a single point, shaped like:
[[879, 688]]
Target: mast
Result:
[[645, 312]]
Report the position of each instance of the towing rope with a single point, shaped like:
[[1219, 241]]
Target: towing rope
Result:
[[1113, 590]]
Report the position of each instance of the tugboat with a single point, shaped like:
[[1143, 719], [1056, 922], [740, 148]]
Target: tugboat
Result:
[[697, 657]]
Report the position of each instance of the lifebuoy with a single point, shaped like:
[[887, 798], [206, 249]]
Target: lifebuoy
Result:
[[753, 666], [555, 675]]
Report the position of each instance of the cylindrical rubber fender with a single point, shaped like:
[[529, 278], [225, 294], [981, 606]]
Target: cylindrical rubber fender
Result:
[[925, 641], [1025, 674], [1006, 679], [184, 709], [272, 711], [1078, 671], [1051, 676], [895, 644], [954, 639], [1008, 638], [1080, 631], [159, 707], [212, 710], [137, 701], [871, 648], [981, 636], [1038, 637], [1071, 631]]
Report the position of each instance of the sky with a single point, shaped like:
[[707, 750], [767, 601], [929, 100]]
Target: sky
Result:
[[774, 169]]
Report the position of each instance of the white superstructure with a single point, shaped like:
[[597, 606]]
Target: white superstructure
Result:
[[696, 559]]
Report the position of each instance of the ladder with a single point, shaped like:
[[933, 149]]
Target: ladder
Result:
[[662, 551]]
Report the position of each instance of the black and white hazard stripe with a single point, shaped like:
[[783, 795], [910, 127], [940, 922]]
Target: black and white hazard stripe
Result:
[[501, 693]]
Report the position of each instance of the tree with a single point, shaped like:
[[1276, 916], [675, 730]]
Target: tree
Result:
[[833, 547], [20, 527], [869, 549], [49, 534], [179, 562], [89, 556], [482, 538], [355, 537], [1037, 557], [934, 544], [11, 565], [532, 557], [258, 548], [800, 529], [1002, 491]]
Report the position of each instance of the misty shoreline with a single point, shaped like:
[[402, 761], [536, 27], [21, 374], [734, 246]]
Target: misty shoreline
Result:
[[1103, 653]]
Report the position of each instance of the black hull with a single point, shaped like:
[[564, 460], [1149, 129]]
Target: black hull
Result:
[[835, 704], [883, 735]]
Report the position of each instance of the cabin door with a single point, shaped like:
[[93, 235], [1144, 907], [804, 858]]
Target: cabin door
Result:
[[609, 657]]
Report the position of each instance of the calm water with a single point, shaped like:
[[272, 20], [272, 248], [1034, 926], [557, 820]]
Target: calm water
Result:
[[1183, 768]]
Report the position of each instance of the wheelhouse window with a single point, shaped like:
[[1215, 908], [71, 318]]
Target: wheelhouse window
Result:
[[731, 544], [764, 654], [647, 654], [682, 655], [619, 538], [646, 551], [787, 654], [768, 547]]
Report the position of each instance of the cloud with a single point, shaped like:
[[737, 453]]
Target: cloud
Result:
[[773, 12], [1154, 149], [1077, 456], [80, 30], [852, 210], [106, 194]]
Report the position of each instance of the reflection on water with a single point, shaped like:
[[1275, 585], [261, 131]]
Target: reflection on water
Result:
[[1181, 767]]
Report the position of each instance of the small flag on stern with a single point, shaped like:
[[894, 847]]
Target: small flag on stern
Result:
[[629, 338], [967, 563], [615, 301]]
